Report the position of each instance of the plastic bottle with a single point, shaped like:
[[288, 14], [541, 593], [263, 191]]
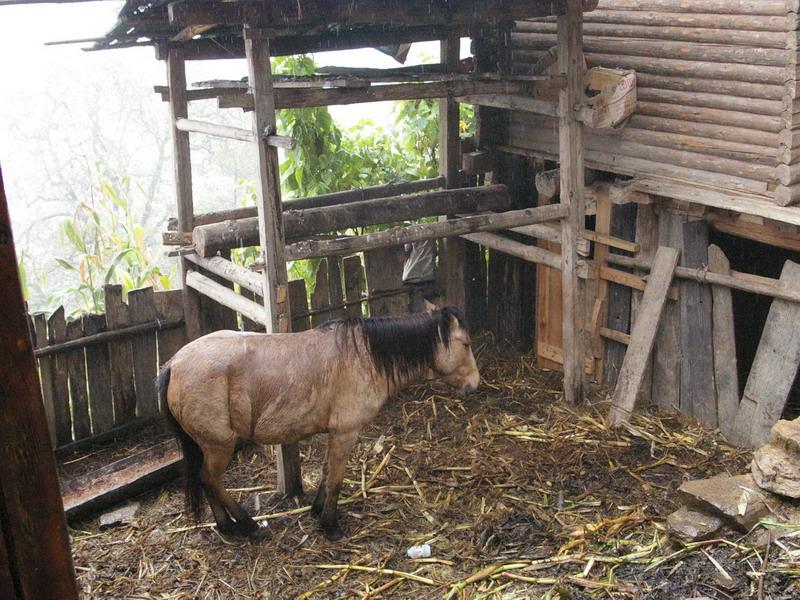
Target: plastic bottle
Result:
[[423, 551]]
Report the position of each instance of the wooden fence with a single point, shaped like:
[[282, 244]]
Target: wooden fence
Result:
[[97, 371]]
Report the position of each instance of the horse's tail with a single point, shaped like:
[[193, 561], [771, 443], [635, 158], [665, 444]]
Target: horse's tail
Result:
[[192, 454]]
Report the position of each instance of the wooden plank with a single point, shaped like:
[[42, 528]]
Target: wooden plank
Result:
[[98, 373], [774, 367], [726, 375], [299, 304], [666, 356], [179, 109], [320, 297], [647, 238], [142, 310], [643, 335], [121, 355], [270, 224], [335, 288], [7, 588], [34, 537], [121, 479], [384, 271], [79, 395], [603, 229], [570, 65], [169, 307], [623, 224], [46, 375], [698, 395], [56, 333], [353, 285]]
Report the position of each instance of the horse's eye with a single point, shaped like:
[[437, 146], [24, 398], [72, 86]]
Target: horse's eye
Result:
[[467, 344]]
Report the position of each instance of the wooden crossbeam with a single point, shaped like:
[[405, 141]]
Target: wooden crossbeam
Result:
[[424, 231], [225, 296], [511, 247]]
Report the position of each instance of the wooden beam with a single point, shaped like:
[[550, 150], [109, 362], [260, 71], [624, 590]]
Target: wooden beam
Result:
[[357, 195], [511, 101], [287, 13], [208, 239], [643, 335], [452, 250], [363, 37], [223, 131], [225, 296], [270, 224], [511, 247], [310, 97], [745, 282], [424, 231], [179, 109], [230, 271], [570, 62], [34, 542]]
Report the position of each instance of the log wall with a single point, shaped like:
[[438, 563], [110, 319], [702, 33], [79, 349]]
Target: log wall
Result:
[[717, 90]]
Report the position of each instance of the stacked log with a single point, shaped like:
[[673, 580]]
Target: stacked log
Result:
[[717, 87]]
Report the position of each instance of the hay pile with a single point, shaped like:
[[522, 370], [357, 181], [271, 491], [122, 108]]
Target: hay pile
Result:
[[519, 495]]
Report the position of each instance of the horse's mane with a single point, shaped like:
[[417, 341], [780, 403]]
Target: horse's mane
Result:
[[399, 346]]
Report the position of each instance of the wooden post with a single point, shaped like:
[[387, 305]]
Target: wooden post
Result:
[[570, 150], [179, 109], [270, 224], [451, 264], [726, 374], [35, 558]]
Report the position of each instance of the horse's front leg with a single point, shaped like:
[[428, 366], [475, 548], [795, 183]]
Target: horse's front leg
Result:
[[339, 447]]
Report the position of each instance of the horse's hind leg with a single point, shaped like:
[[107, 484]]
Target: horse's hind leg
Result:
[[215, 461], [319, 499], [339, 447]]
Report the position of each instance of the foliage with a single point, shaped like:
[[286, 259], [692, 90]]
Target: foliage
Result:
[[103, 245]]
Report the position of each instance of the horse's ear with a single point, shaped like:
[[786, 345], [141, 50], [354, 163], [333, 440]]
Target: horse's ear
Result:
[[429, 306]]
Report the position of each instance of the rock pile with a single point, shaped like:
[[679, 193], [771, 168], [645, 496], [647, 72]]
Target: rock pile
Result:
[[741, 501]]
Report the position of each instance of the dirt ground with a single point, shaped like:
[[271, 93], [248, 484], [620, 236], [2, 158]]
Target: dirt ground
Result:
[[518, 494]]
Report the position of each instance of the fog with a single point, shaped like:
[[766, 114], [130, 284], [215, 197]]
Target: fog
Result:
[[70, 117]]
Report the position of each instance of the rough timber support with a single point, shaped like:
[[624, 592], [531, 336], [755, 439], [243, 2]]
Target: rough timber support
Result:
[[270, 224], [570, 62], [179, 109], [453, 249]]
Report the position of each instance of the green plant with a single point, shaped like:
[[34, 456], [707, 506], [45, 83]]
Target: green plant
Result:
[[104, 245]]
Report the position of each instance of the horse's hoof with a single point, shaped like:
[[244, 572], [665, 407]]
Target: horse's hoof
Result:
[[334, 534], [259, 534]]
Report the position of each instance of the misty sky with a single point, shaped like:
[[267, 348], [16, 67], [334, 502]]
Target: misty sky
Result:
[[67, 115]]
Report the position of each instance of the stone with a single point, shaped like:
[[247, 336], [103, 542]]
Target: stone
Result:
[[786, 435], [737, 500], [120, 516], [776, 470], [692, 526]]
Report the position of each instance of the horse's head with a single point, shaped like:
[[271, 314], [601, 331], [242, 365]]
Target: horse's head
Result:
[[454, 361]]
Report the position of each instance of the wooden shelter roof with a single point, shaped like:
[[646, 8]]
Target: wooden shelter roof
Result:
[[213, 29]]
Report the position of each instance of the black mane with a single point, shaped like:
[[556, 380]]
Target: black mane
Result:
[[400, 346]]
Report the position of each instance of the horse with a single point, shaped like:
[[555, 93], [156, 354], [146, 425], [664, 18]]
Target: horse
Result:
[[283, 388]]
